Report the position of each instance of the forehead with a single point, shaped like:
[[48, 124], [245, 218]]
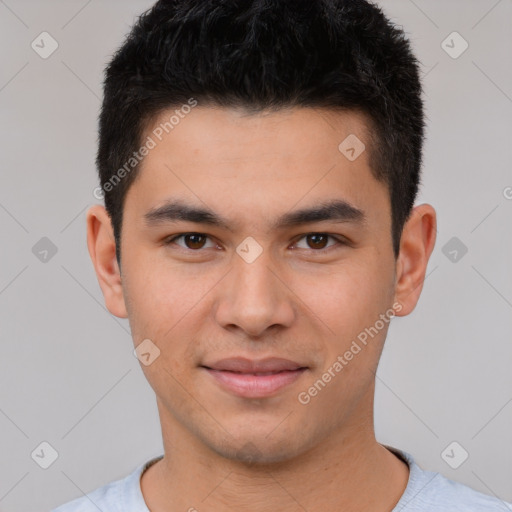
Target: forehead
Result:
[[233, 133], [230, 160]]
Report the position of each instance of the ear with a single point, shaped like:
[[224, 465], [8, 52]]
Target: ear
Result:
[[102, 249], [416, 245]]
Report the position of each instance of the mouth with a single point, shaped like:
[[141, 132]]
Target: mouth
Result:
[[254, 379]]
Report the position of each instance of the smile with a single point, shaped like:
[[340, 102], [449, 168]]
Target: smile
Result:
[[255, 385]]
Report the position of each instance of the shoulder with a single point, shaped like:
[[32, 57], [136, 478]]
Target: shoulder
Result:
[[123, 495], [440, 494], [428, 491], [105, 498]]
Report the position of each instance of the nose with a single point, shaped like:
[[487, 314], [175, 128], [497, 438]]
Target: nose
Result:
[[254, 298]]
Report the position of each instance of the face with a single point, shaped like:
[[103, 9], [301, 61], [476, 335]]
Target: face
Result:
[[257, 259]]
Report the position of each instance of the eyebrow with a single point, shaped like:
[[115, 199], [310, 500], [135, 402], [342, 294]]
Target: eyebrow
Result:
[[176, 211]]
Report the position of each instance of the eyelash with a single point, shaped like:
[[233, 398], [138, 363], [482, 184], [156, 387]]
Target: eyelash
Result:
[[340, 241]]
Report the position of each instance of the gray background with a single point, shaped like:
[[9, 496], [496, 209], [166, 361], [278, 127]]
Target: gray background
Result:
[[67, 372]]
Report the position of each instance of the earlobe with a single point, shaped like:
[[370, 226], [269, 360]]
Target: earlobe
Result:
[[102, 249], [416, 245]]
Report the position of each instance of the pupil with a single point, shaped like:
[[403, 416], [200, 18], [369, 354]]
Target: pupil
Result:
[[194, 241], [317, 241]]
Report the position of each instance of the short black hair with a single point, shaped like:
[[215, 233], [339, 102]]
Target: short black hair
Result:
[[265, 55]]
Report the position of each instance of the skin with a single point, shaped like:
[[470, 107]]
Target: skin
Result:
[[200, 302]]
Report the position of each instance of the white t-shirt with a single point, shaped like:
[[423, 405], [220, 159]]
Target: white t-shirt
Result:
[[425, 492]]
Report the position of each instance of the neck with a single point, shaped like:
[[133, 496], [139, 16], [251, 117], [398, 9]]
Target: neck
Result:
[[348, 470]]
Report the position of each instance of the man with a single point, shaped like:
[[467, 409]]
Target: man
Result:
[[259, 163]]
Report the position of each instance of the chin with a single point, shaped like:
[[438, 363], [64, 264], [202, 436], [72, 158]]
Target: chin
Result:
[[258, 449]]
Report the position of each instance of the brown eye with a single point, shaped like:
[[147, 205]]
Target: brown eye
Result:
[[317, 240], [192, 241]]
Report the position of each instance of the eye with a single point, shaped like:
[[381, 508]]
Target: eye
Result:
[[197, 241], [318, 241], [192, 241]]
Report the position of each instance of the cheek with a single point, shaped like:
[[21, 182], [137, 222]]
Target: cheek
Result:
[[348, 298], [157, 291], [165, 305]]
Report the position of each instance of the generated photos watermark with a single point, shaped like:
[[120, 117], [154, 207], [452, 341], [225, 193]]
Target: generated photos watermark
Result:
[[150, 143], [304, 397]]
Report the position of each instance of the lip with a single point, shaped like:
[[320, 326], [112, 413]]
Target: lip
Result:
[[254, 379], [244, 365]]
